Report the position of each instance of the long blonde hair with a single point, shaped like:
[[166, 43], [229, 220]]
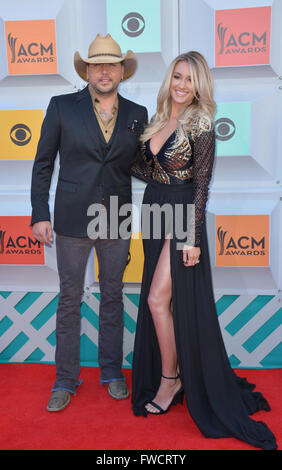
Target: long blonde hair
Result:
[[203, 104]]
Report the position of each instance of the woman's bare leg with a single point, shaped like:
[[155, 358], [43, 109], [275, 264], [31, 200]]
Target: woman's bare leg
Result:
[[159, 302]]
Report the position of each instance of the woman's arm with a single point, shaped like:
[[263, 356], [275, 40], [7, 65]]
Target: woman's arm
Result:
[[203, 159]]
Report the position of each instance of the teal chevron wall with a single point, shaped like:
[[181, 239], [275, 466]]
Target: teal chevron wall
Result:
[[250, 324]]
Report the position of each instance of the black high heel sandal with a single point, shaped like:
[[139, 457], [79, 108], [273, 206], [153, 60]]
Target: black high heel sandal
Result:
[[178, 398]]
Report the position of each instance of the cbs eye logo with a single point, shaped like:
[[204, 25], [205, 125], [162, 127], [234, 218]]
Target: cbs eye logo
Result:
[[133, 24], [20, 134], [224, 129]]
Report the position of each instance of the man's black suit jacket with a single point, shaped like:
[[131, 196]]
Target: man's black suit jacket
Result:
[[88, 174]]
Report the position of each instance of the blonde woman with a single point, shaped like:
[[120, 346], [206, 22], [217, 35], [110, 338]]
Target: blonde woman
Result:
[[178, 344]]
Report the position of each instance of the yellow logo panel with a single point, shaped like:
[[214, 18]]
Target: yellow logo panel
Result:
[[19, 133], [134, 269]]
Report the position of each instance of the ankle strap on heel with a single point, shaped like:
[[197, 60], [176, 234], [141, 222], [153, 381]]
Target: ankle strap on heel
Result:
[[171, 378]]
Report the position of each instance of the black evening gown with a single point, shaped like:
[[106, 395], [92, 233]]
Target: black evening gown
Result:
[[218, 400]]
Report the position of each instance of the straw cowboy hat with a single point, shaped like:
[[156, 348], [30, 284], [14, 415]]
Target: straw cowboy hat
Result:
[[105, 51]]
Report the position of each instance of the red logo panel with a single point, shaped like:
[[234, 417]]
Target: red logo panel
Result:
[[242, 36], [17, 243]]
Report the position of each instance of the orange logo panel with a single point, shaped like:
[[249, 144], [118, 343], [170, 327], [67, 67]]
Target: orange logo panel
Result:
[[242, 36], [31, 47], [242, 240], [17, 243]]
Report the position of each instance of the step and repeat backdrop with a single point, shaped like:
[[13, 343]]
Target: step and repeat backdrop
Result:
[[242, 42]]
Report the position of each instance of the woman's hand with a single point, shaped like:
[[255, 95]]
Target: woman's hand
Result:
[[191, 255]]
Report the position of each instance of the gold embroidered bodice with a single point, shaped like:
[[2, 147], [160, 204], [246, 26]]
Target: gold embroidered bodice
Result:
[[190, 161], [170, 165]]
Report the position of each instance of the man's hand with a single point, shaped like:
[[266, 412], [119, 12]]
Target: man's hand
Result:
[[42, 231]]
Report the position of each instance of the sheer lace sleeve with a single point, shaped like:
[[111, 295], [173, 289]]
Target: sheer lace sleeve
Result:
[[142, 165], [203, 159]]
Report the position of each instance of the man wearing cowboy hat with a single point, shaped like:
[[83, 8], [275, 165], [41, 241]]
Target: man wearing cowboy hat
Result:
[[96, 132]]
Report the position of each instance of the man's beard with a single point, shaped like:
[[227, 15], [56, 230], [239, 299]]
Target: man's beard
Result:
[[98, 91]]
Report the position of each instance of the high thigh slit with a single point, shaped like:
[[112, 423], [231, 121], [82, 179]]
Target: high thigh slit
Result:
[[159, 302], [219, 402]]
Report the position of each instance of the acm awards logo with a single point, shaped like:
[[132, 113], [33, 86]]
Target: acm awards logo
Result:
[[31, 52], [243, 43], [240, 246], [17, 243], [242, 36], [31, 47], [133, 24], [20, 245]]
